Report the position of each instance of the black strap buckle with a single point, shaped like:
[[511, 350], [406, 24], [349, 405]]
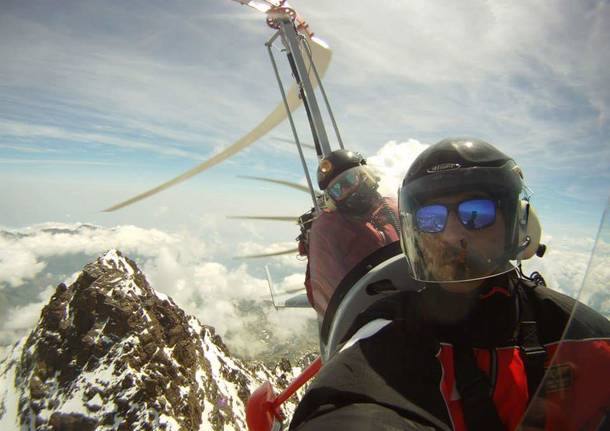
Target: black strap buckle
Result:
[[534, 354], [530, 345]]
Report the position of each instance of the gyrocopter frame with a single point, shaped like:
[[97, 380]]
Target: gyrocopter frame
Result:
[[308, 57]]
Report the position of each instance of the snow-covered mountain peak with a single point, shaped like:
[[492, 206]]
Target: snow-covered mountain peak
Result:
[[109, 352], [113, 259]]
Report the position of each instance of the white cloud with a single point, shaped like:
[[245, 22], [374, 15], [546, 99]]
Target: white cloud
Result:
[[596, 279], [214, 293], [288, 322], [564, 264], [292, 282], [20, 320], [22, 252], [57, 239], [465, 42], [392, 162], [17, 265]]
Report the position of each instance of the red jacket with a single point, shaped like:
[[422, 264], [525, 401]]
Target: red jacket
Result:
[[337, 243], [404, 374]]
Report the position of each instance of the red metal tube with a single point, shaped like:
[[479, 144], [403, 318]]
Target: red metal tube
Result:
[[299, 381]]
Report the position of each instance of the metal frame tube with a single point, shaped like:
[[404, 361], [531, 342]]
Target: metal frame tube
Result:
[[310, 119], [290, 39], [294, 130], [326, 102], [272, 39]]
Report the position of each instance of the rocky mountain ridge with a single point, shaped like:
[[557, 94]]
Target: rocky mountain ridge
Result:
[[109, 352]]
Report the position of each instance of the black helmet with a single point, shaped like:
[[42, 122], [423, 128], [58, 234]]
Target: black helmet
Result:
[[335, 163], [348, 182], [451, 167]]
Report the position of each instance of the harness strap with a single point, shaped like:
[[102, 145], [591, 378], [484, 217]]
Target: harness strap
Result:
[[533, 354], [474, 387]]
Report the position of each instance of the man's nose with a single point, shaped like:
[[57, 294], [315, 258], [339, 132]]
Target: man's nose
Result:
[[454, 230]]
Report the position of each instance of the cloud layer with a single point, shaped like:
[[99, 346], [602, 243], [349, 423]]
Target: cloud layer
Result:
[[175, 264], [190, 267]]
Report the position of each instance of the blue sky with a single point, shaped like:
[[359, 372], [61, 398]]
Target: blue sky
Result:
[[102, 100]]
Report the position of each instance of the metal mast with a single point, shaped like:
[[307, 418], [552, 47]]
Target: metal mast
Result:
[[294, 40]]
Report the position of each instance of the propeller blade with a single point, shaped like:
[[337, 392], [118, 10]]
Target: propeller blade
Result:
[[321, 55], [277, 253], [290, 184], [271, 218], [290, 141], [259, 5], [293, 290]]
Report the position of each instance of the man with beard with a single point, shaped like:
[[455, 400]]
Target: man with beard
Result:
[[356, 221], [469, 350]]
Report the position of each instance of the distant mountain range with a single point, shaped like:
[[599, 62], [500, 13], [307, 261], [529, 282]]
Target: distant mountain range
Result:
[[36, 258], [109, 352]]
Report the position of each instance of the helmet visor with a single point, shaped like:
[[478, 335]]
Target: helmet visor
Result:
[[465, 233], [348, 182]]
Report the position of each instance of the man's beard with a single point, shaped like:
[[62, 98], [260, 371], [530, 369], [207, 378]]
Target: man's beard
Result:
[[458, 262]]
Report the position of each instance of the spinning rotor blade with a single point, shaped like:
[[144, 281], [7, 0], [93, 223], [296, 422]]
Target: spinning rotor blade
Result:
[[321, 55], [290, 141], [260, 5], [272, 218], [290, 184], [277, 253], [297, 289]]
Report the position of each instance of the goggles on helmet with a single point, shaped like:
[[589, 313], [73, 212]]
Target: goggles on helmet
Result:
[[348, 182], [472, 213]]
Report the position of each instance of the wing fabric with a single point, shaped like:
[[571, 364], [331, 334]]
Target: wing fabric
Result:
[[321, 55]]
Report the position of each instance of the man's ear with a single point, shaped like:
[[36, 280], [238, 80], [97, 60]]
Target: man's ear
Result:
[[530, 231]]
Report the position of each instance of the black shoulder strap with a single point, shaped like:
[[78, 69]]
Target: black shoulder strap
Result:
[[533, 353], [475, 391]]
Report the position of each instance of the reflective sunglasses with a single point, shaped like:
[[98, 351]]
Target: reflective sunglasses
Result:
[[472, 213], [344, 185]]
